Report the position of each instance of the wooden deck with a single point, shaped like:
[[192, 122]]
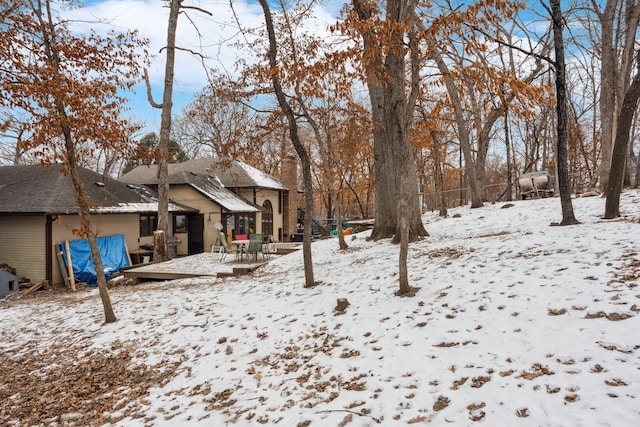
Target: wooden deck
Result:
[[204, 264]]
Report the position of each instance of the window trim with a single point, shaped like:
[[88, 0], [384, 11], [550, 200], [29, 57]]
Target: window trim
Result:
[[267, 217], [185, 224], [151, 220]]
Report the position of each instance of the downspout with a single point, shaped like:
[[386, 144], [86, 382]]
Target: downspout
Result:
[[255, 217], [48, 242]]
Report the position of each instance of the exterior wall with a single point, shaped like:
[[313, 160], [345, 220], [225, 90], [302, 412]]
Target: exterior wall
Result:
[[212, 214], [289, 178], [258, 198], [22, 245], [272, 196], [105, 225]]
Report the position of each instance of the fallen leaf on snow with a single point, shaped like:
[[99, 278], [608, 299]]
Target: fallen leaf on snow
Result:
[[571, 398], [441, 403], [615, 382]]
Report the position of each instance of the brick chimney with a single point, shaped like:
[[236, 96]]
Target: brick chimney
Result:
[[289, 177]]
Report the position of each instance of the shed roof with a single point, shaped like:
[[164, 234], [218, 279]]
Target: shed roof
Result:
[[231, 173], [46, 190]]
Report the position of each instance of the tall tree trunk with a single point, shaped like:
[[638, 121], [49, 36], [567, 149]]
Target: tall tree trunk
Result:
[[398, 123], [568, 217], [397, 134], [507, 143], [607, 89], [614, 184], [159, 253], [82, 199], [324, 147], [392, 111], [87, 231], [297, 144], [618, 49], [387, 119], [628, 58], [385, 180], [463, 132], [439, 182]]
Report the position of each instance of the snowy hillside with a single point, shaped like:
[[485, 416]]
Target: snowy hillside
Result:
[[516, 323]]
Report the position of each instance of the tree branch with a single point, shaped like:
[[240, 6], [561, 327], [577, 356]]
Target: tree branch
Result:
[[193, 52], [198, 9], [153, 103], [511, 46]]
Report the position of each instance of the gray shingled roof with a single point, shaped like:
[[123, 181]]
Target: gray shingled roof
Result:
[[232, 173], [214, 191], [46, 190]]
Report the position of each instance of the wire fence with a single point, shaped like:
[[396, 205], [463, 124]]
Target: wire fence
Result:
[[462, 196]]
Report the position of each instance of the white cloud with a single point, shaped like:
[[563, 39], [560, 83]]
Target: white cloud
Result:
[[213, 37], [209, 36]]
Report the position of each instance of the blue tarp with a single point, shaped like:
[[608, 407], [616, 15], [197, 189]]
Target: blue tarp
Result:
[[113, 252]]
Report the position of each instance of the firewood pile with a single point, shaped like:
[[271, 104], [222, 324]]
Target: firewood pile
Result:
[[28, 290]]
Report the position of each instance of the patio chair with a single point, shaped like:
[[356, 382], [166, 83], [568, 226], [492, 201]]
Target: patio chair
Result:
[[255, 246], [221, 247], [267, 241], [225, 250]]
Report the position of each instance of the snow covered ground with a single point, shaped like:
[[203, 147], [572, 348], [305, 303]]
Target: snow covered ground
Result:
[[516, 323]]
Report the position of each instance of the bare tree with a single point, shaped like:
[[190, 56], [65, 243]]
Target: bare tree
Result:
[[303, 155], [484, 79], [160, 250], [619, 24], [216, 121], [384, 61], [12, 133], [568, 217], [66, 85], [627, 113]]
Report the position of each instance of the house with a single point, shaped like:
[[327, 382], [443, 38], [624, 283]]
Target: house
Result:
[[38, 210], [261, 203]]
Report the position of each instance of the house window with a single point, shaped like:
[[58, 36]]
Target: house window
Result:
[[179, 224], [244, 224], [267, 218], [148, 223]]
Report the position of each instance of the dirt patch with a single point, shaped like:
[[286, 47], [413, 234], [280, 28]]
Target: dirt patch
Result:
[[451, 253], [69, 383], [51, 291]]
